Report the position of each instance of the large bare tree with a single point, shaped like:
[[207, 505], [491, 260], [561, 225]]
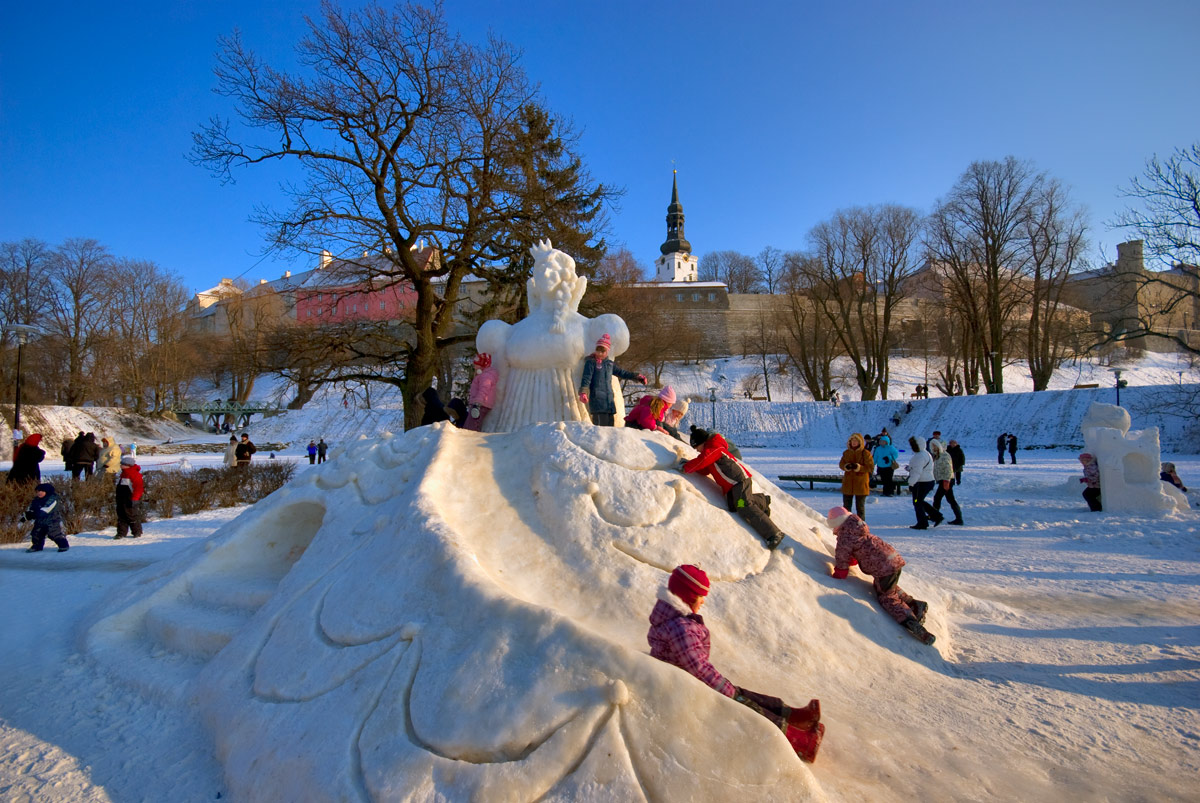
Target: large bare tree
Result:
[[79, 271], [739, 272], [860, 262], [404, 134], [804, 331]]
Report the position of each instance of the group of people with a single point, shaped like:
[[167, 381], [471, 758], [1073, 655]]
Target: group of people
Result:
[[239, 453], [45, 509], [316, 451], [937, 470], [1006, 442]]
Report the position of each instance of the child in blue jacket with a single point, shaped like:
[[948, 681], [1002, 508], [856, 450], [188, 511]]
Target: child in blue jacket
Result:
[[46, 514]]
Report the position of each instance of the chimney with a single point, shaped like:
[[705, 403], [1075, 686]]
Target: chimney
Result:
[[326, 258], [287, 274]]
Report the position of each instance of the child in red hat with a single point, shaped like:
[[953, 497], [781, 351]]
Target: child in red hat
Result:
[[856, 545], [679, 636], [481, 398], [596, 385]]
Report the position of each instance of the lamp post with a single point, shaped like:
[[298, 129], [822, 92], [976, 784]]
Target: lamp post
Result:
[[1117, 374], [712, 401], [22, 331], [1180, 378]]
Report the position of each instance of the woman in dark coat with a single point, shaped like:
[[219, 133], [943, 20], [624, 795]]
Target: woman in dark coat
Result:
[[25, 467]]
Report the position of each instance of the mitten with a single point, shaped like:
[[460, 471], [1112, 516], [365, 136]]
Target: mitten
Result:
[[853, 561], [642, 378], [841, 574], [583, 397]]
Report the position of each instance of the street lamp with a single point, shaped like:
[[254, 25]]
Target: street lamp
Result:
[[22, 331], [1117, 374], [712, 401]]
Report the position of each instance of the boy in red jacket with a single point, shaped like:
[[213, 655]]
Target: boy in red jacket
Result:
[[734, 480], [679, 636], [875, 557], [129, 495]]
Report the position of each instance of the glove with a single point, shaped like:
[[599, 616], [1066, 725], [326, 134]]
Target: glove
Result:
[[642, 378], [583, 397], [840, 574], [853, 561], [682, 462], [852, 466]]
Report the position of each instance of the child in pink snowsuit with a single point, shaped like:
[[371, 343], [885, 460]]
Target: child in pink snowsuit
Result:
[[880, 560], [482, 396], [679, 636]]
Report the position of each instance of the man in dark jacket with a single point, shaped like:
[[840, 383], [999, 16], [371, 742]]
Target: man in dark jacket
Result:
[[1001, 444], [83, 455], [322, 448], [245, 450], [65, 451], [1012, 449], [957, 459]]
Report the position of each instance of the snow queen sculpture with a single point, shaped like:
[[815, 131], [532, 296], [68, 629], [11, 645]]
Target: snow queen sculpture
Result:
[[540, 358]]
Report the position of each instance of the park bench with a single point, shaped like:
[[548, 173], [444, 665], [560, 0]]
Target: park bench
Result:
[[1086, 385], [898, 480]]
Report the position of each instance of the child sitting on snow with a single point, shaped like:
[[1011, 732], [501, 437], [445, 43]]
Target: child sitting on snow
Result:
[[880, 560], [481, 398], [679, 636], [649, 412], [46, 515], [1091, 478], [734, 480]]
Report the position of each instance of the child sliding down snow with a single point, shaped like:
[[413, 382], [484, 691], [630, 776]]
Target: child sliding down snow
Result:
[[734, 480], [679, 636], [46, 514], [877, 558]]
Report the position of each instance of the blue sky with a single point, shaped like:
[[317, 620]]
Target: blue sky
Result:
[[775, 114]]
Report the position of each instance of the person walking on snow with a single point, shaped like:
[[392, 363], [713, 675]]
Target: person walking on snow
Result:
[[733, 478], [128, 499], [312, 452], [857, 466], [245, 450], [481, 398], [678, 636], [920, 483], [879, 560], [1091, 481], [25, 466], [650, 411], [322, 448], [595, 386], [886, 456], [957, 460], [46, 514], [1001, 445], [943, 477], [1012, 448], [231, 452]]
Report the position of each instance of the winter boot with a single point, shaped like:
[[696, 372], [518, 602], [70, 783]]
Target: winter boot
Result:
[[34, 549], [64, 548], [957, 521], [918, 631], [774, 541], [804, 718], [919, 608], [807, 742]]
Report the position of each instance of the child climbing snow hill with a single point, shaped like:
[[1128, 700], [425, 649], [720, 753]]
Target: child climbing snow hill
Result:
[[880, 560], [46, 514], [650, 411], [679, 637], [733, 478]]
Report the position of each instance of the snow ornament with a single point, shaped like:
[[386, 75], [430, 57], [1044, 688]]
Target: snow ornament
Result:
[[539, 358], [439, 616], [1128, 461]]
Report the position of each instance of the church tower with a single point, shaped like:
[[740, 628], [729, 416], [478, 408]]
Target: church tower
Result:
[[677, 263]]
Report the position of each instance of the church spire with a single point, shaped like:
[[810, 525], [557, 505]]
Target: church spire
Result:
[[676, 243]]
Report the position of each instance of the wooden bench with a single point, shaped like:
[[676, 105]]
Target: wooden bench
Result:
[[1087, 385], [898, 480]]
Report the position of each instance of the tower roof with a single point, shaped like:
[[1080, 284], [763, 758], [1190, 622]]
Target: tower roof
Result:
[[676, 243]]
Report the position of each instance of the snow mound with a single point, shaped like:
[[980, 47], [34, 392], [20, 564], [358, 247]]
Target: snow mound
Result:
[[448, 615]]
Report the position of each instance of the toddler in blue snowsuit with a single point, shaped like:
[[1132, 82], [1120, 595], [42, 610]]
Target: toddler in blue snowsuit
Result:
[[46, 514]]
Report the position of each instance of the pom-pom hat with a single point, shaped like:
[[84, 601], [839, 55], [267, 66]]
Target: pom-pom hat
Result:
[[483, 361], [836, 516], [605, 342], [688, 583], [667, 394]]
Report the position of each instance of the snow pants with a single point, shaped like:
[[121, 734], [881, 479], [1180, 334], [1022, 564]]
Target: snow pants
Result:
[[765, 705], [129, 520], [892, 598], [475, 415], [1092, 497], [755, 510], [603, 419], [40, 534]]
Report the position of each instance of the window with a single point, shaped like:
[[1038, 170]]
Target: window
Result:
[[695, 296], [353, 308], [679, 297], [712, 296], [383, 305]]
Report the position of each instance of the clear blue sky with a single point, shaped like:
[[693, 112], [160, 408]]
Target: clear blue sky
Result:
[[775, 113]]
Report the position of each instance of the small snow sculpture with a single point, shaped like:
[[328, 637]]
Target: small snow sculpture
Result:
[[540, 357], [1128, 461]]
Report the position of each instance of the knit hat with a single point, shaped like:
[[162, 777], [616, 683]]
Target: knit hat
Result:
[[47, 487], [483, 361], [667, 394], [698, 436], [1086, 457], [128, 460], [605, 342], [836, 516], [688, 583], [681, 406], [1168, 466], [34, 439]]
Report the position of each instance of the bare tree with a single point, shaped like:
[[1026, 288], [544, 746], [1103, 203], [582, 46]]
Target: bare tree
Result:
[[738, 271], [770, 268], [25, 277], [861, 260], [1168, 221], [405, 134], [977, 235], [805, 335], [79, 271]]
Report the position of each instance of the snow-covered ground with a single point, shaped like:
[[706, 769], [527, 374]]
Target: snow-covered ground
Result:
[[1067, 664]]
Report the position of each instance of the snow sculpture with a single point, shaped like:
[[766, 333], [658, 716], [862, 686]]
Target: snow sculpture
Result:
[[540, 358], [1128, 461]]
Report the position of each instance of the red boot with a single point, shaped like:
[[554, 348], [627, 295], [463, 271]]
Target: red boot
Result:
[[806, 743], [804, 718]]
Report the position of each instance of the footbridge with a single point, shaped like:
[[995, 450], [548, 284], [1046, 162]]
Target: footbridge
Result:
[[235, 413]]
